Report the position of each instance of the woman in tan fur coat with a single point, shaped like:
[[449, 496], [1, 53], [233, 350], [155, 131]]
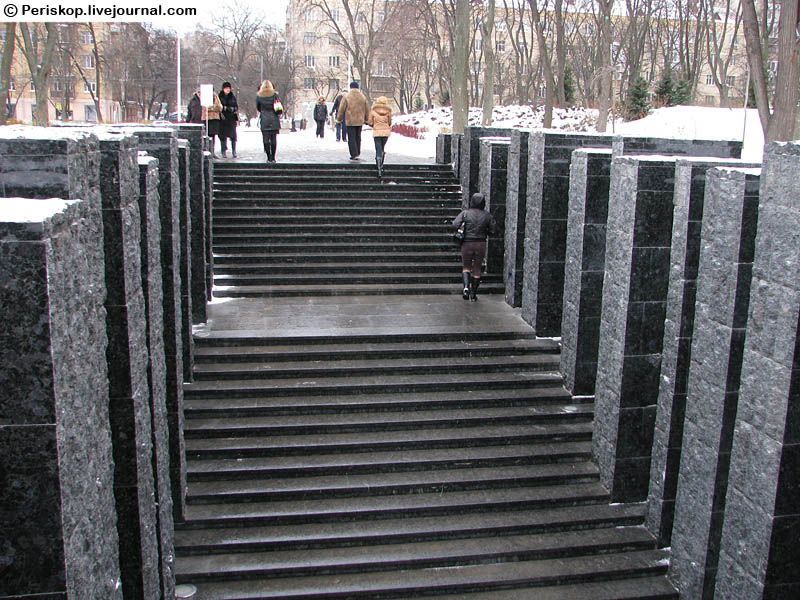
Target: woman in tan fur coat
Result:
[[380, 119]]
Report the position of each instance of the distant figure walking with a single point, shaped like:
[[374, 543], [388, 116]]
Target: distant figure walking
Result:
[[320, 116], [270, 123], [210, 115], [380, 119], [230, 119], [341, 126], [355, 109], [478, 225]]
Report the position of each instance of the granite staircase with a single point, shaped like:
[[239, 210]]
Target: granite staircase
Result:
[[441, 461], [297, 230]]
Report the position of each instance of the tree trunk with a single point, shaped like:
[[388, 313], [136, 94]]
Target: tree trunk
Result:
[[781, 123], [40, 67], [604, 66], [5, 69], [487, 28], [458, 93], [96, 93]]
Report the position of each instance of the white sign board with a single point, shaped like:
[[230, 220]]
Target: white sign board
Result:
[[207, 94]]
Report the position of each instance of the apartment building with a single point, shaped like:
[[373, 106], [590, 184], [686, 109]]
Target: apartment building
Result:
[[73, 81]]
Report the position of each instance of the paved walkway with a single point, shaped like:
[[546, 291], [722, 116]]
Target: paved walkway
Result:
[[302, 147], [358, 315]]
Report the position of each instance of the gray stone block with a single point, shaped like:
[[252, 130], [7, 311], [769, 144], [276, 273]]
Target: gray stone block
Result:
[[157, 368], [59, 534], [638, 239], [470, 158], [444, 149], [492, 177], [208, 171], [758, 548], [545, 248], [185, 220], [516, 209], [455, 153]]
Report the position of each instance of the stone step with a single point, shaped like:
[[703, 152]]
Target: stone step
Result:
[[332, 187], [467, 399], [253, 426], [389, 483], [354, 229], [372, 384], [452, 277], [384, 441], [372, 258], [343, 237], [437, 554], [342, 197], [409, 205], [348, 289], [345, 218], [309, 211], [341, 350], [332, 510], [224, 267], [328, 168], [442, 247], [366, 367], [411, 529], [383, 462]]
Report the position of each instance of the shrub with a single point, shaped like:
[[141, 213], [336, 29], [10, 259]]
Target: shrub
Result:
[[411, 131]]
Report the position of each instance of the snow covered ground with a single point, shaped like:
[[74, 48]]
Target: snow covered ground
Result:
[[696, 122]]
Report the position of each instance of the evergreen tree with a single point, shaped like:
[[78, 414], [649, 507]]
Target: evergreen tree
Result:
[[683, 93], [665, 91], [418, 104], [569, 86], [638, 104]]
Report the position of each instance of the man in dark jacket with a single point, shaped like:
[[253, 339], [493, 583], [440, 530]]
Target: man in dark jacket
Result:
[[355, 109], [341, 128]]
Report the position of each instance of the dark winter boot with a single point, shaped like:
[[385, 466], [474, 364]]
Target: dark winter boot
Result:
[[465, 293], [474, 283], [380, 167], [233, 149]]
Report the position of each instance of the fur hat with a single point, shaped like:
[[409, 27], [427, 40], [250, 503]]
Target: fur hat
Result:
[[354, 84], [226, 84]]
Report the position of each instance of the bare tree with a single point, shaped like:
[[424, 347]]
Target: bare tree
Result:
[[94, 90], [778, 122], [487, 29], [605, 68], [234, 34], [546, 56], [723, 26], [458, 85], [9, 44], [39, 55]]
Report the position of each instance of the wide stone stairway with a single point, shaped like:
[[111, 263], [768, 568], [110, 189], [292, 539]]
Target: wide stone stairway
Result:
[[355, 430]]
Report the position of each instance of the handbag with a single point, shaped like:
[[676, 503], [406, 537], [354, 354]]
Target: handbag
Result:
[[458, 235], [277, 106]]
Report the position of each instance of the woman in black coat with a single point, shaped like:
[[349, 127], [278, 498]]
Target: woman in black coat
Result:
[[229, 119], [478, 226], [269, 121]]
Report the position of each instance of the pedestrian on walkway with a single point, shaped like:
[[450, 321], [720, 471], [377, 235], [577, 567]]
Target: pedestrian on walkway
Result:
[[380, 119], [229, 120], [320, 116], [269, 108], [478, 225], [207, 115], [341, 126], [355, 109]]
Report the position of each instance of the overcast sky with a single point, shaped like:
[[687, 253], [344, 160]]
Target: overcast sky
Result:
[[273, 11]]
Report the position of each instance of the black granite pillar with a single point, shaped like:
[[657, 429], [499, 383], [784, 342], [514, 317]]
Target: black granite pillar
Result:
[[58, 538], [185, 221], [492, 174], [549, 156], [208, 173], [638, 241], [681, 147], [455, 153], [516, 209], [590, 179], [724, 275], [759, 550], [690, 185], [162, 144], [127, 357], [152, 288], [444, 149], [198, 216], [470, 158]]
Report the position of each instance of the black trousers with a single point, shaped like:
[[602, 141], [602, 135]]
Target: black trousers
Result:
[[354, 140], [320, 129], [270, 143], [380, 145]]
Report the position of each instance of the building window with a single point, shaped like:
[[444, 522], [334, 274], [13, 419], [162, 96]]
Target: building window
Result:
[[309, 61], [500, 46], [333, 61], [478, 42], [710, 101], [335, 14], [309, 15], [90, 112], [731, 80], [381, 68], [709, 80], [87, 61], [86, 37], [772, 66], [500, 26], [569, 27], [308, 83], [523, 48], [11, 87], [541, 92], [333, 84], [57, 85], [33, 86], [360, 39], [361, 18], [434, 65], [309, 37], [90, 86], [476, 67], [588, 29]]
